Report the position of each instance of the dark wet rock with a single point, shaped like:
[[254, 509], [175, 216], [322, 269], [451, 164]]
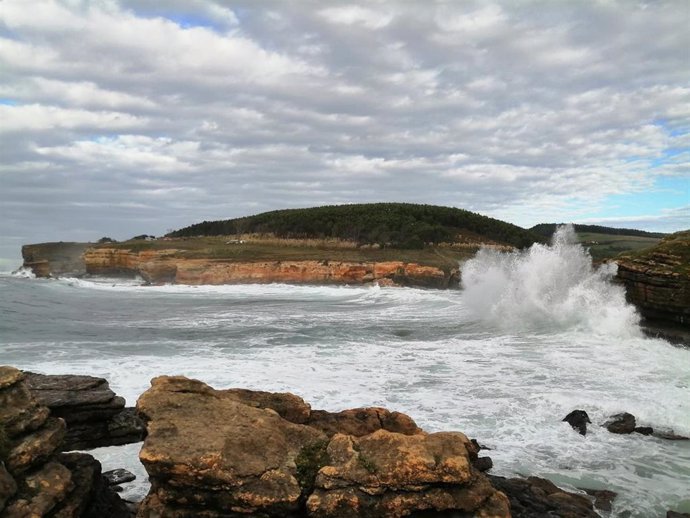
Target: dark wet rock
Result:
[[670, 436], [622, 423], [94, 414], [674, 514], [119, 476], [483, 463], [536, 497], [603, 498], [644, 430], [578, 419], [255, 462], [91, 497], [8, 487]]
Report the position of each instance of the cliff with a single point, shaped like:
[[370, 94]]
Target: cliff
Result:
[[166, 266], [657, 280], [55, 259], [166, 262]]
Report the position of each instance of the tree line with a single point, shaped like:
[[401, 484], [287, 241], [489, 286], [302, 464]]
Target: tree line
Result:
[[395, 225]]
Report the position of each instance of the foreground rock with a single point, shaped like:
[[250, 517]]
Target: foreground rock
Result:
[[35, 479], [95, 416], [536, 497], [214, 453], [657, 280]]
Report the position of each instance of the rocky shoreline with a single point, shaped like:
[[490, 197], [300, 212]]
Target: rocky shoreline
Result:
[[229, 453]]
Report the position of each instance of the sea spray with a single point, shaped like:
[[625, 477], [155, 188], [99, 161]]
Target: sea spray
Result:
[[547, 287]]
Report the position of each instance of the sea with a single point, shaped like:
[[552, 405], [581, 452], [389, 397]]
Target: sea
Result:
[[529, 337]]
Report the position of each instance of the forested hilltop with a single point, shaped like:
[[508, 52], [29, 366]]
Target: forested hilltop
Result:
[[394, 225], [547, 230]]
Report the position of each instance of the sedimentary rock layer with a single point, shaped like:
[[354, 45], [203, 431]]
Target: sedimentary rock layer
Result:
[[35, 480]]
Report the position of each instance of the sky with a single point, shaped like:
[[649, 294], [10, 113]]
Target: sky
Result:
[[124, 117]]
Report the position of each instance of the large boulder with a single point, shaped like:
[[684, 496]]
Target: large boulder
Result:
[[393, 475], [94, 414], [221, 453]]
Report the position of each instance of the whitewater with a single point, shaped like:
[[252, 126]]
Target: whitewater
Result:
[[530, 337]]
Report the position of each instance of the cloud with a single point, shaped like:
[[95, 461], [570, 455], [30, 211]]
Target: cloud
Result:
[[166, 113]]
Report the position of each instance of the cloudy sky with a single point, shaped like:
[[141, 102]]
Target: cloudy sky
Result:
[[126, 117]]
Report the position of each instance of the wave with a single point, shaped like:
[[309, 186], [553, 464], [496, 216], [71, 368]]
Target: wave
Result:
[[547, 287], [22, 273]]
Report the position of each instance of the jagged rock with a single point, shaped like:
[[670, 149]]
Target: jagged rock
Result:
[[362, 421], [18, 411], [534, 496], [623, 423], [225, 454], [290, 407], [9, 376], [644, 430], [38, 482], [578, 419], [390, 475], [41, 491], [8, 487], [94, 414], [37, 447], [603, 498], [118, 476], [208, 454], [92, 497]]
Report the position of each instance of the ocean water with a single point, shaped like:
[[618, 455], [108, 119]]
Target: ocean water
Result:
[[530, 337]]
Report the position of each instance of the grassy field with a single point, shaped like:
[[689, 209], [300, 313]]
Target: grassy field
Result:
[[224, 247], [672, 253], [606, 246]]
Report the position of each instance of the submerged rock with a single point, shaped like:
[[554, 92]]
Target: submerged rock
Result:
[[218, 453], [95, 416], [623, 423], [578, 419]]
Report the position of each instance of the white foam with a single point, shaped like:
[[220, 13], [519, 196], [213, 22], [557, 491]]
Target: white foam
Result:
[[22, 272], [547, 287]]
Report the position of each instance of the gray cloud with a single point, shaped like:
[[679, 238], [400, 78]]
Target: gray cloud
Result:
[[126, 117]]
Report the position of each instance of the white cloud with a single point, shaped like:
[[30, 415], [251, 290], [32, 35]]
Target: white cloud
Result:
[[200, 109]]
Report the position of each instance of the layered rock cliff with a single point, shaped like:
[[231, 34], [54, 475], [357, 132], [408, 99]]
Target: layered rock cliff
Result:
[[657, 280], [172, 266], [159, 266], [35, 479]]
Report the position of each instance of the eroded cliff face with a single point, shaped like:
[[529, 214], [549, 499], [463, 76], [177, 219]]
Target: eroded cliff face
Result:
[[53, 259], [160, 266], [657, 281]]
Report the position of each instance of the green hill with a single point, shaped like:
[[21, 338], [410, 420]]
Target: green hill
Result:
[[547, 230], [390, 225], [606, 242]]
